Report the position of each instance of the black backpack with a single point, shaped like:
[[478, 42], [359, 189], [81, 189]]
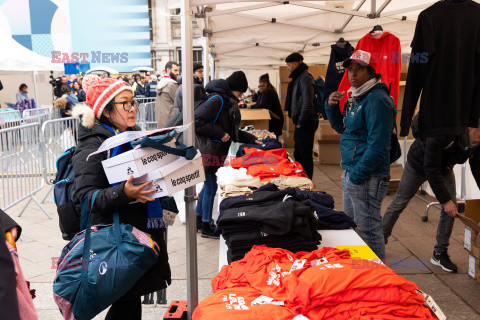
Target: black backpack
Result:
[[63, 188], [318, 87]]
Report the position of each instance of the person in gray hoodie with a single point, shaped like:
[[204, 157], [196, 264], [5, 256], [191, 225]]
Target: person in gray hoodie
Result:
[[166, 89]]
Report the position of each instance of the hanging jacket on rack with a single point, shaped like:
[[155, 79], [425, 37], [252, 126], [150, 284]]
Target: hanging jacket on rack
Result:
[[446, 70], [387, 51], [336, 69]]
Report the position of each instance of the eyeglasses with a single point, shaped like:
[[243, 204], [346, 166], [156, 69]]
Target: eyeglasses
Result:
[[261, 86], [128, 105]]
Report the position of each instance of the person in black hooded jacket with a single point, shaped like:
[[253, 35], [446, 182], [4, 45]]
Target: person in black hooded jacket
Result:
[[432, 159], [268, 99], [112, 109], [218, 119], [300, 107]]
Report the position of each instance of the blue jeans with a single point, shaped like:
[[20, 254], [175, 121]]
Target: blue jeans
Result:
[[207, 197], [363, 204]]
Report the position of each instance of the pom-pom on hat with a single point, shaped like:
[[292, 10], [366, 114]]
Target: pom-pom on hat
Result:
[[100, 91]]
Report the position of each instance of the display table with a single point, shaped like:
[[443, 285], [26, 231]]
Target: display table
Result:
[[342, 239]]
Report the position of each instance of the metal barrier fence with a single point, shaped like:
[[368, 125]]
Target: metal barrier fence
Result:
[[54, 112], [29, 151], [10, 119], [146, 116], [142, 100], [21, 166], [57, 135], [39, 115]]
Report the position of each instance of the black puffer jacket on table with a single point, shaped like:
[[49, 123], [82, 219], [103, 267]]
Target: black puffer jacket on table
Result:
[[228, 121], [269, 100], [89, 175]]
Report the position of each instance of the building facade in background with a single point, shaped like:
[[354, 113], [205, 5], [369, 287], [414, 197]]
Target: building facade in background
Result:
[[165, 35], [112, 33]]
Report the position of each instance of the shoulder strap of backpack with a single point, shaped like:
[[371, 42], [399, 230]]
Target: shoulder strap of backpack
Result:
[[221, 107]]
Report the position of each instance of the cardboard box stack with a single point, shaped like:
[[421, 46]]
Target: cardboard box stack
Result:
[[170, 173], [471, 221], [288, 126], [327, 143]]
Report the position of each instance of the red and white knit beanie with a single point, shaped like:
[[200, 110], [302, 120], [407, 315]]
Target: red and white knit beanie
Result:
[[101, 91]]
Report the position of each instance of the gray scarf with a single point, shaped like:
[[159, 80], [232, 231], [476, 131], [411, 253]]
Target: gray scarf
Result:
[[360, 91]]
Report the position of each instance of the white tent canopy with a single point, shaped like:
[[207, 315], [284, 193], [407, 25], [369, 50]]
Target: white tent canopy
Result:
[[15, 57], [259, 35]]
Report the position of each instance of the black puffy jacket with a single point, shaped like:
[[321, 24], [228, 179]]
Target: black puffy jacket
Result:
[[89, 175], [434, 156], [300, 96], [227, 121]]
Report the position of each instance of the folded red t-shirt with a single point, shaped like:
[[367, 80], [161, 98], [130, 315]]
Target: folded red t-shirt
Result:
[[284, 168], [254, 156], [236, 304]]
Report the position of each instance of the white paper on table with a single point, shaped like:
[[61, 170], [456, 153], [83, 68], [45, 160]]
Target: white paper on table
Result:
[[124, 137]]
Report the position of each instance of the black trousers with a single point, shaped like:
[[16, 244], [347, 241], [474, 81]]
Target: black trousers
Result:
[[304, 138], [125, 310]]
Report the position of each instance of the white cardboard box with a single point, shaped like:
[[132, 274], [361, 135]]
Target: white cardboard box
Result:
[[137, 162], [174, 177]]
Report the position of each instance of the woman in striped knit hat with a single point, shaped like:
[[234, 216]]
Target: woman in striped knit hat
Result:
[[110, 110]]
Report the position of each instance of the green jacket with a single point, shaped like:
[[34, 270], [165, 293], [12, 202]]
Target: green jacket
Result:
[[366, 127]]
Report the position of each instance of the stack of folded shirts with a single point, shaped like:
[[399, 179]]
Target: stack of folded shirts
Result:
[[271, 283], [272, 218]]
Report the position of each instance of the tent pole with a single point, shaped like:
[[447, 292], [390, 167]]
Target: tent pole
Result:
[[189, 139], [350, 18], [34, 73], [206, 59], [373, 11], [382, 7]]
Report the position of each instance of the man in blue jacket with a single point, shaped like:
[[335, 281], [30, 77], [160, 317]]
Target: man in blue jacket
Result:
[[366, 125]]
